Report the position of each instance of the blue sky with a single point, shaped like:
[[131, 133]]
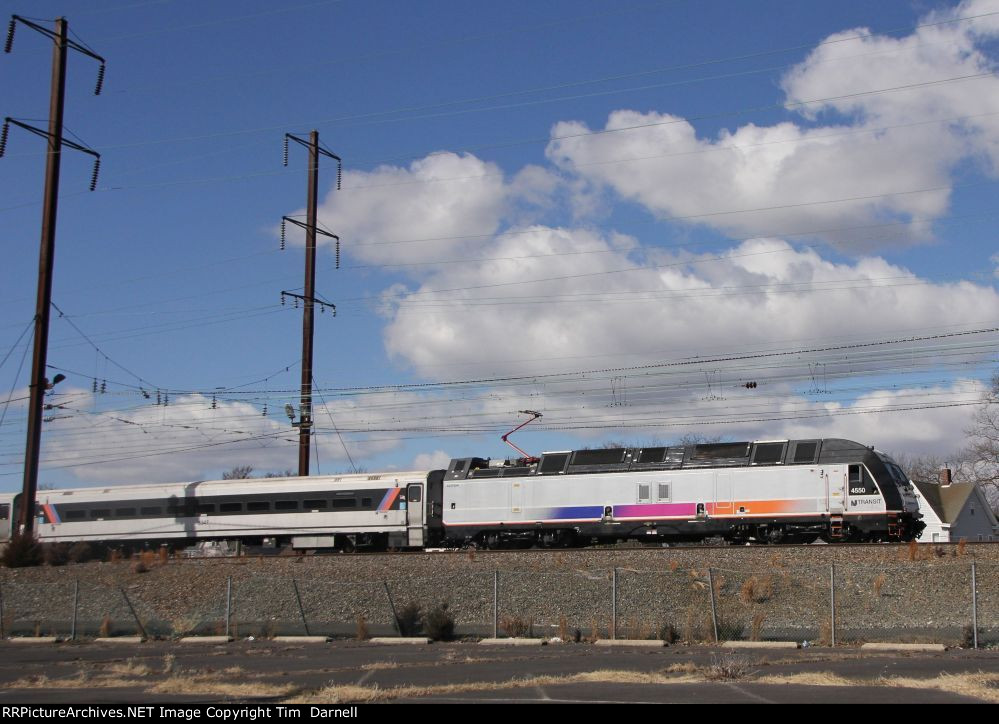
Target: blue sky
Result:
[[615, 213]]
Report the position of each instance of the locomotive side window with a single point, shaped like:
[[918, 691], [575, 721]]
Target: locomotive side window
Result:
[[286, 505], [861, 482], [258, 505], [97, 513], [344, 502], [663, 492], [804, 452], [4, 511], [230, 507], [768, 453], [204, 508], [643, 492], [314, 504]]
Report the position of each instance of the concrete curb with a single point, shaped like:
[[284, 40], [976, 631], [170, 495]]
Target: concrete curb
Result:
[[902, 647], [632, 643], [760, 644], [119, 640], [301, 639], [399, 640], [35, 640], [513, 642], [205, 640]]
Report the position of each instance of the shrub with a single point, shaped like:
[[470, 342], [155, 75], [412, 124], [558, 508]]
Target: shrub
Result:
[[21, 552], [81, 552], [668, 633], [440, 624], [517, 627], [55, 554], [879, 583], [410, 619], [756, 630], [756, 590], [362, 629]]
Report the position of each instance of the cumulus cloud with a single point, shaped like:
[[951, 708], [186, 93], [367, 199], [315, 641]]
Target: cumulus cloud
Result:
[[615, 298], [436, 460], [881, 157]]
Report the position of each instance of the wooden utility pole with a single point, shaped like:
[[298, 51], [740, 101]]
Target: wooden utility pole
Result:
[[309, 301], [46, 258]]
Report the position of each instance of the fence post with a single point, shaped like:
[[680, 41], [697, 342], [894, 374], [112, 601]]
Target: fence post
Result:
[[76, 602], [395, 616], [714, 614], [228, 604], [142, 630], [496, 603], [974, 607], [832, 604], [614, 604], [301, 610]]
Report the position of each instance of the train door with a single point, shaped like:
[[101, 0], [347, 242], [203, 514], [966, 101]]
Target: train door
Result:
[[723, 494], [414, 515], [835, 482]]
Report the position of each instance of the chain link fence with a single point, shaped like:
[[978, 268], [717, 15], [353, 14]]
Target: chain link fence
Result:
[[956, 604]]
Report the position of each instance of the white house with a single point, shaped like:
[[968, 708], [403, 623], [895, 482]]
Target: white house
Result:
[[955, 511]]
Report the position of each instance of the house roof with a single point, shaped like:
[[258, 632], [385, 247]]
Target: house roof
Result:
[[947, 501]]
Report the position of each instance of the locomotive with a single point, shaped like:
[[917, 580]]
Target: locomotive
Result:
[[766, 491]]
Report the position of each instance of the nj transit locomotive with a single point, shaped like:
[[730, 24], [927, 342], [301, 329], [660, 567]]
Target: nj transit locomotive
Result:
[[764, 491]]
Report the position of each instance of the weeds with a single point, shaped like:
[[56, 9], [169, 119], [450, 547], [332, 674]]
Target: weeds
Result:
[[410, 619], [517, 627], [756, 590], [440, 623], [21, 552], [756, 630], [879, 583], [362, 633]]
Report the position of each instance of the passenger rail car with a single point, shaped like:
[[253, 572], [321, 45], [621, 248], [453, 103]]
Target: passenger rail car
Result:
[[765, 491]]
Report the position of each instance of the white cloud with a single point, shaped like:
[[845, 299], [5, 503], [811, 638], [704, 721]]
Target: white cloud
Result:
[[437, 460], [886, 157]]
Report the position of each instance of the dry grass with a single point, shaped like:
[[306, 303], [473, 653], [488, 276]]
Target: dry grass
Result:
[[362, 629], [756, 590], [131, 667], [809, 678], [756, 630], [980, 685], [379, 665], [879, 583], [202, 685], [961, 545]]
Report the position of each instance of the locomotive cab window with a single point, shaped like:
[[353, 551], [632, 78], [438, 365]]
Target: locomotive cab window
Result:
[[861, 482], [4, 511]]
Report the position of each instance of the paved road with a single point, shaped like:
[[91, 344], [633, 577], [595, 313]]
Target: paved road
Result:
[[90, 673]]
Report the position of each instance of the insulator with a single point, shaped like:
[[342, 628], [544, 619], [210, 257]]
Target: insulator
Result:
[[337, 253], [339, 173], [104, 386], [282, 300], [214, 404], [296, 302], [322, 309], [265, 410], [100, 80], [334, 310], [10, 36], [97, 170], [159, 398], [282, 234], [94, 389], [3, 137], [286, 150], [166, 399]]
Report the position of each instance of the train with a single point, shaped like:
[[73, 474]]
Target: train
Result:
[[764, 491]]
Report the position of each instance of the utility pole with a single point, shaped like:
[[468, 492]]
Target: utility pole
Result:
[[309, 300], [46, 259]]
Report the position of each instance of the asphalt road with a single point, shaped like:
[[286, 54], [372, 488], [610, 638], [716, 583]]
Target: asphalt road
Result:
[[244, 671]]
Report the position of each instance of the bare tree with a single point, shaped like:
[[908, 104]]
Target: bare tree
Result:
[[239, 472], [982, 465]]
